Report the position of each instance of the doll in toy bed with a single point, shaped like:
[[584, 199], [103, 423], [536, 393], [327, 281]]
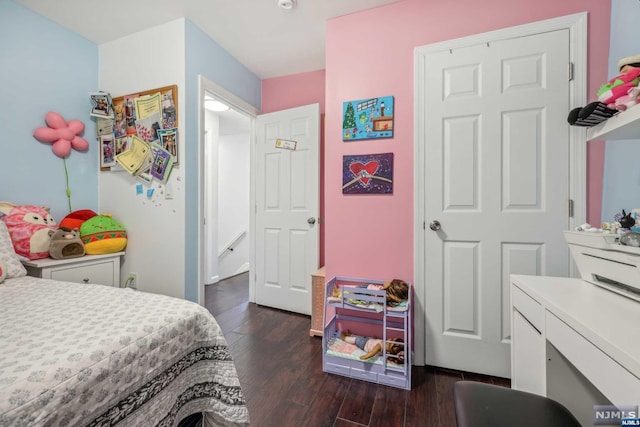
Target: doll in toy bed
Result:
[[373, 346], [397, 292]]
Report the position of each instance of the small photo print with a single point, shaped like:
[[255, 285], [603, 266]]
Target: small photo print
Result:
[[162, 164], [130, 114], [120, 122], [145, 177], [122, 144], [168, 139], [168, 110], [107, 151], [101, 104]]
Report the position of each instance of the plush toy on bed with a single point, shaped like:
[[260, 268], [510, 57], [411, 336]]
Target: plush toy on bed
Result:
[[373, 346], [29, 228], [65, 243]]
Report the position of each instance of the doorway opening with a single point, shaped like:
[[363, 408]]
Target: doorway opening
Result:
[[226, 190], [225, 182]]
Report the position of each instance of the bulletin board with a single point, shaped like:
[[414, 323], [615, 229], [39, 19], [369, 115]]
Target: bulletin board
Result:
[[151, 115]]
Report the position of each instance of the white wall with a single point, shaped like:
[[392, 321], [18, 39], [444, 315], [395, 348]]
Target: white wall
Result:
[[233, 202], [212, 127], [155, 226], [227, 199]]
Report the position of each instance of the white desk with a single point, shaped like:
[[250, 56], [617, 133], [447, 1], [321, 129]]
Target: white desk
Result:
[[595, 330]]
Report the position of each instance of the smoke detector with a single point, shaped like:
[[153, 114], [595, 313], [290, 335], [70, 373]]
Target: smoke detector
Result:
[[287, 5]]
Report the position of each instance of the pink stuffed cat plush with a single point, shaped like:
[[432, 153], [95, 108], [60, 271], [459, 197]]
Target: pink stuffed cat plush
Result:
[[29, 229]]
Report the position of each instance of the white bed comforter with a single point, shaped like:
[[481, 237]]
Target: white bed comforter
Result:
[[74, 354]]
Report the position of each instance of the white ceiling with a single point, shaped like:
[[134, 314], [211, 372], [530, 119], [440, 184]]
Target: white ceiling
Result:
[[267, 40]]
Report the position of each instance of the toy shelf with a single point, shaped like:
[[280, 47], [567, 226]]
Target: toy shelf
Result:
[[365, 312], [624, 125]]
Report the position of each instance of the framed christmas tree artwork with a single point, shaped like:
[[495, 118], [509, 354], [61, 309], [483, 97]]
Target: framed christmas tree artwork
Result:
[[370, 118]]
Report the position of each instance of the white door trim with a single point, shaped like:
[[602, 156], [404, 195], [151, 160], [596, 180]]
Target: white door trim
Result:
[[238, 104], [577, 26]]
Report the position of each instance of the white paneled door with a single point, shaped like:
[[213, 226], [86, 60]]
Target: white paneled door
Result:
[[496, 162], [287, 207]]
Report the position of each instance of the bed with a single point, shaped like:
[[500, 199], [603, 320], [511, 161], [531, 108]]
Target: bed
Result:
[[90, 355]]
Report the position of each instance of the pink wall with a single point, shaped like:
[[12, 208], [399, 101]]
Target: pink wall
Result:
[[370, 54], [281, 93]]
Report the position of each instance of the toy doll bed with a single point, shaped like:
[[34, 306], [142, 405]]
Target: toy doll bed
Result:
[[350, 305], [91, 355]]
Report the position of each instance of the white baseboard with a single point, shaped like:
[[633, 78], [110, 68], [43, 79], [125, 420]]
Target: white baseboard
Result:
[[243, 268]]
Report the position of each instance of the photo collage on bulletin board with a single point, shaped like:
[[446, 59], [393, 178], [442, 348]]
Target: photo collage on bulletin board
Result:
[[139, 132], [367, 119]]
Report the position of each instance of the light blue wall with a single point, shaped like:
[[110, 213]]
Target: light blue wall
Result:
[[45, 67], [621, 180], [205, 57]]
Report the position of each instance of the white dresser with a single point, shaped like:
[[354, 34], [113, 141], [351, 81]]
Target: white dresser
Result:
[[100, 269], [574, 342]]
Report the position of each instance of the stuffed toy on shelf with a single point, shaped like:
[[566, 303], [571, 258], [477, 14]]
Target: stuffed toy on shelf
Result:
[[618, 94]]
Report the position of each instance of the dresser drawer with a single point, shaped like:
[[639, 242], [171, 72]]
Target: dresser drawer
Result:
[[99, 269], [613, 380], [530, 309], [100, 273]]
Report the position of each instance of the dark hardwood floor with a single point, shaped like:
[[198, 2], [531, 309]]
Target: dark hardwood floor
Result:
[[280, 370]]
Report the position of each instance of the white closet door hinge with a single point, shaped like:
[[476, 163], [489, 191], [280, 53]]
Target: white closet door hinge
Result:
[[570, 71], [570, 208]]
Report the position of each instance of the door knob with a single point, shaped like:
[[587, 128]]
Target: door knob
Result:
[[311, 220], [435, 225]]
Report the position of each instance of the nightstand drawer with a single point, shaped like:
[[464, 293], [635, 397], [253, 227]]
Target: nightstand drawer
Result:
[[100, 273], [99, 269]]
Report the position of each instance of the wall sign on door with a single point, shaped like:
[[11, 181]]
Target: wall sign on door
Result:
[[367, 118], [286, 144]]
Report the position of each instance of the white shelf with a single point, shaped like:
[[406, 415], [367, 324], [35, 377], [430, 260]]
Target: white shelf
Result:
[[625, 125]]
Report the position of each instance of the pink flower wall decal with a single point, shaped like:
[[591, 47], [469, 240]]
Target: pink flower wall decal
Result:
[[62, 135]]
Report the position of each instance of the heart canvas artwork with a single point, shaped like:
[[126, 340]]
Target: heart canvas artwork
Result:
[[367, 174]]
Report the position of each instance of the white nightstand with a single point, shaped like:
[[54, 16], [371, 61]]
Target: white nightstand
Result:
[[100, 269]]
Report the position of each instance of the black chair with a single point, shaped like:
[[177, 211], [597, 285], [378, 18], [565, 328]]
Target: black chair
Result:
[[478, 404]]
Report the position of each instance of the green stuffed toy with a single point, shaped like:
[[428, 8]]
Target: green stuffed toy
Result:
[[102, 234]]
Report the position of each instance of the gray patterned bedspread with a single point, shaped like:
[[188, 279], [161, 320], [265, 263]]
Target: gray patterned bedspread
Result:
[[75, 354]]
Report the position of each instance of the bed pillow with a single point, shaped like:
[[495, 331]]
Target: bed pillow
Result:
[[8, 255]]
